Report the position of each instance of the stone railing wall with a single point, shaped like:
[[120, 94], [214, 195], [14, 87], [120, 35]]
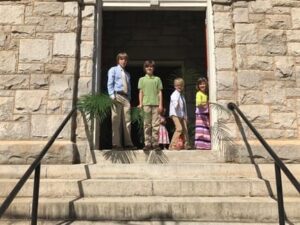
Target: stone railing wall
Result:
[[37, 58]]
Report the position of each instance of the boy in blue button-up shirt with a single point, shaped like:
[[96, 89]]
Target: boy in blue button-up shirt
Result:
[[119, 89]]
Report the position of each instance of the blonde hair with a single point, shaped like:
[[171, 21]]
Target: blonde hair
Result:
[[122, 55], [179, 81]]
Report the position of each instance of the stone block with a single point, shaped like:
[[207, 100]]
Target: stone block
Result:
[[7, 62], [60, 87], [241, 56], [3, 38], [297, 73], [23, 31], [88, 11], [87, 49], [56, 24], [287, 150], [14, 82], [64, 44], [85, 86], [30, 68], [54, 107], [39, 81], [284, 67], [228, 40], [295, 12], [224, 58], [290, 106], [222, 22], [30, 101], [240, 15], [281, 10], [272, 42], [14, 130], [66, 106], [70, 9], [12, 14], [249, 79], [6, 108], [7, 93], [293, 35], [87, 34], [294, 49], [284, 120], [55, 68], [48, 8], [286, 3], [274, 92], [256, 113], [250, 97], [260, 63], [24, 152], [35, 50], [278, 22], [260, 6], [245, 33], [225, 80], [44, 126], [292, 92], [256, 18]]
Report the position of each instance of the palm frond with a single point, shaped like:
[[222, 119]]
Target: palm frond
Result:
[[220, 109], [221, 136], [95, 106]]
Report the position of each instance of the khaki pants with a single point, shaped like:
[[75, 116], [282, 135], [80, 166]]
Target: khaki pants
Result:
[[180, 128], [121, 122], [151, 125]]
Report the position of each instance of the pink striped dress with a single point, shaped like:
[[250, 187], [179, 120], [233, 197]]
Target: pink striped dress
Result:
[[163, 132]]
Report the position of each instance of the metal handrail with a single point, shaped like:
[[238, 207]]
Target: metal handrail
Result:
[[279, 165], [36, 165]]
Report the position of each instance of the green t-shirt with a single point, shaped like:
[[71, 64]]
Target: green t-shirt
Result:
[[150, 85]]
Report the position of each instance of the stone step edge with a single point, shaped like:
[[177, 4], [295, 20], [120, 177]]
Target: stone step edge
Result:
[[99, 222]]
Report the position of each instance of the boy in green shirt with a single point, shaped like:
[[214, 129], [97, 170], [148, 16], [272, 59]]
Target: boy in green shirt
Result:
[[150, 99]]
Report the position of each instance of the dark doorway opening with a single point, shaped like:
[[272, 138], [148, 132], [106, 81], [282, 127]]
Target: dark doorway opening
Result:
[[163, 36]]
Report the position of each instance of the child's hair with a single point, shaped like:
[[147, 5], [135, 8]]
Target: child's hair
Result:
[[202, 80], [122, 55], [149, 63], [179, 81]]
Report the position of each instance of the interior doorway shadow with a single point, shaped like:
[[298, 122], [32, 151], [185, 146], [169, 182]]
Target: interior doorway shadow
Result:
[[251, 155], [124, 157], [156, 157]]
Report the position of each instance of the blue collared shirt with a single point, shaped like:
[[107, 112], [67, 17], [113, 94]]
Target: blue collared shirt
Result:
[[115, 82]]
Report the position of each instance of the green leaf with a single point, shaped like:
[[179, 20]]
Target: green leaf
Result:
[[96, 106]]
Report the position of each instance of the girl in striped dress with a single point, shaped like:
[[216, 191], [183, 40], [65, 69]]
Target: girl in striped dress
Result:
[[202, 133], [163, 132]]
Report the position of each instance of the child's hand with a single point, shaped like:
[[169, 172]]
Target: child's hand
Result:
[[140, 106], [160, 109]]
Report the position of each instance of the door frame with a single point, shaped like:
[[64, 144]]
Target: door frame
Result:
[[191, 5]]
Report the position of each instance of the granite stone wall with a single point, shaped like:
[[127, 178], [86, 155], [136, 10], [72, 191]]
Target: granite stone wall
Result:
[[37, 58], [258, 65]]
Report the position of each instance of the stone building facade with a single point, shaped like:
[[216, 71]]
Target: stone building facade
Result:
[[253, 50]]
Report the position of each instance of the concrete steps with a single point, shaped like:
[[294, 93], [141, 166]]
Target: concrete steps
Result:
[[149, 187], [142, 171], [215, 209], [164, 222], [203, 193]]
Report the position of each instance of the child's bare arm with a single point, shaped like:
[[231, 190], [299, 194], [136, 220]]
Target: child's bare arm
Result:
[[141, 95]]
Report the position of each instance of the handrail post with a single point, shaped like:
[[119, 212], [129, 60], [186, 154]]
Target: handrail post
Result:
[[35, 198], [279, 195]]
